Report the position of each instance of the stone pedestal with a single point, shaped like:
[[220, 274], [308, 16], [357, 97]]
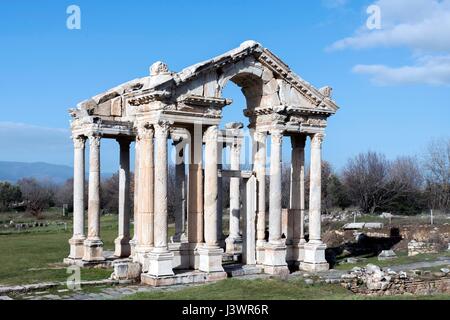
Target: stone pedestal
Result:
[[76, 247], [160, 264], [275, 259], [210, 259], [233, 244], [260, 249], [93, 250], [314, 260]]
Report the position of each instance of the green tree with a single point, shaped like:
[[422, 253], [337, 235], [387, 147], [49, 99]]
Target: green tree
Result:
[[9, 194]]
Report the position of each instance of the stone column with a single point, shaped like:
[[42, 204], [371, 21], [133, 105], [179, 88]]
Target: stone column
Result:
[[260, 168], [211, 253], [77, 240], [145, 186], [180, 192], [161, 259], [315, 249], [297, 199], [93, 245], [122, 242], [220, 196], [133, 242], [275, 253], [195, 196], [234, 240]]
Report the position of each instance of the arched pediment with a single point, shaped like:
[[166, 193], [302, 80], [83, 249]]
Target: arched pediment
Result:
[[270, 87]]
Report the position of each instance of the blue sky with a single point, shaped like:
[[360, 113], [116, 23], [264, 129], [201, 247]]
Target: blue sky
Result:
[[392, 84]]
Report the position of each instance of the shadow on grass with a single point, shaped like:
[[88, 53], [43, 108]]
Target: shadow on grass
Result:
[[364, 246]]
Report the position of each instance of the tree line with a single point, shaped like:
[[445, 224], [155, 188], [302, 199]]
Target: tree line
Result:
[[368, 181]]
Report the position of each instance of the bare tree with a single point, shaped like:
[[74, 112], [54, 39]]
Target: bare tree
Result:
[[64, 194], [38, 196], [367, 177], [436, 163]]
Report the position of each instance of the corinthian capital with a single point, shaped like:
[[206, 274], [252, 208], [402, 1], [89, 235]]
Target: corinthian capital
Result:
[[162, 129], [317, 140], [276, 135], [79, 142], [145, 131], [94, 140]]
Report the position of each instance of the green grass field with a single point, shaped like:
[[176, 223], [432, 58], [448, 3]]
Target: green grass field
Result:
[[35, 255]]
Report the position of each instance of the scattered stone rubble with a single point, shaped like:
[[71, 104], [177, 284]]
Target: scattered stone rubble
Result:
[[420, 247], [372, 280]]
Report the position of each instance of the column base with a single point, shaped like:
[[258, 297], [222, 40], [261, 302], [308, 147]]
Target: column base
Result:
[[314, 259], [160, 264], [210, 259], [275, 259], [133, 243], [76, 247], [297, 252], [260, 249], [180, 252], [233, 245], [93, 250], [122, 247], [140, 255], [194, 257]]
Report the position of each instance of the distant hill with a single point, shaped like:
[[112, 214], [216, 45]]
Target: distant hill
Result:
[[13, 171]]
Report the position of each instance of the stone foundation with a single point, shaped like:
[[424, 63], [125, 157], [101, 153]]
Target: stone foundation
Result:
[[187, 277], [419, 247]]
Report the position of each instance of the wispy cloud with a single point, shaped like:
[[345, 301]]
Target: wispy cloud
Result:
[[432, 70], [28, 143], [420, 25]]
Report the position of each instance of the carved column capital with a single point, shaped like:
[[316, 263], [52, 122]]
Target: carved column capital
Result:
[[124, 142], [276, 135], [260, 136], [145, 131], [317, 140], [298, 141], [79, 142], [162, 129], [94, 140]]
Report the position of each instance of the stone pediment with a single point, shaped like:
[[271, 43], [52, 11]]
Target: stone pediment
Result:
[[266, 81]]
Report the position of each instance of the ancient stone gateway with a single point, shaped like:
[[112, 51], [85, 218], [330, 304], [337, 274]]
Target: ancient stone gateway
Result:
[[186, 107]]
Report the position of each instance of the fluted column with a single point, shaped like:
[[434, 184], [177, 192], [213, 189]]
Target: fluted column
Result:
[[77, 240], [122, 242], [93, 245], [315, 249], [260, 168], [211, 253], [145, 187], [297, 198], [160, 259], [220, 195], [275, 253], [234, 240], [195, 195]]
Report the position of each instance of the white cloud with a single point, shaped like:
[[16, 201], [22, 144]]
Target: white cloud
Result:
[[432, 70], [420, 25]]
